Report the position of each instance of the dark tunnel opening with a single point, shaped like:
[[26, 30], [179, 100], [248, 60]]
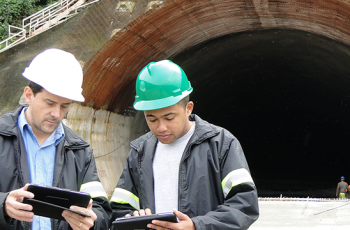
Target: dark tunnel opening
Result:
[[285, 95]]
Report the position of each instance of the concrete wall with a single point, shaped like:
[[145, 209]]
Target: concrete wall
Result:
[[109, 135], [83, 35]]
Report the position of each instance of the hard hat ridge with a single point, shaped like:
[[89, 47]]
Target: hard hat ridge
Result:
[[58, 72], [160, 84]]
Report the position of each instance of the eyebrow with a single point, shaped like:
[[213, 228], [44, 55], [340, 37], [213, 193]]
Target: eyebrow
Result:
[[150, 115]]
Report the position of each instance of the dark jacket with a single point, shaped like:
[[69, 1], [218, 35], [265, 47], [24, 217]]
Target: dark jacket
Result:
[[74, 166], [342, 188], [212, 156]]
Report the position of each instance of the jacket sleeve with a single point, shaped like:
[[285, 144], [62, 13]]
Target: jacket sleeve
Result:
[[240, 206], [93, 186], [125, 197], [5, 222]]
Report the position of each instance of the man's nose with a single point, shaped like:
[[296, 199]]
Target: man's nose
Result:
[[56, 112], [162, 127]]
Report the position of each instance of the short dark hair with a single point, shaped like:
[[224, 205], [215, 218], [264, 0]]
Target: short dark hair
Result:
[[183, 102], [35, 87]]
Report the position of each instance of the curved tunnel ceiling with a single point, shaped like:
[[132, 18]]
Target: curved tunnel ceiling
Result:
[[277, 79], [286, 96], [177, 25]]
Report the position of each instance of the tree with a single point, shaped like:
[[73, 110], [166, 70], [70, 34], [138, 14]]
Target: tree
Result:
[[13, 11]]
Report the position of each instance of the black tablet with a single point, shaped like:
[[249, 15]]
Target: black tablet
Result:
[[51, 201], [140, 222]]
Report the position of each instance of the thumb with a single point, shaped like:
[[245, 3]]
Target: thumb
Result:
[[181, 216], [89, 205], [25, 188]]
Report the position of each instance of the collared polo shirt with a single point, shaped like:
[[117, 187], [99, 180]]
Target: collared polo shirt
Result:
[[41, 160]]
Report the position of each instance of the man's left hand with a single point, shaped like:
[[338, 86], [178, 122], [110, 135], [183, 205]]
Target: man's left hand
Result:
[[77, 221], [185, 223]]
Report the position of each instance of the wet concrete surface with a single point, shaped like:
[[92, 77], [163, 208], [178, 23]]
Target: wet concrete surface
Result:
[[303, 215]]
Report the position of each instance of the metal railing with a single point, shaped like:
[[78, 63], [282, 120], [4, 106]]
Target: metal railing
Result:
[[14, 37], [45, 16], [42, 20]]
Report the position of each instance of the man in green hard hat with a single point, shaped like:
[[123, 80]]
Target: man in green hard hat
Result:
[[184, 164]]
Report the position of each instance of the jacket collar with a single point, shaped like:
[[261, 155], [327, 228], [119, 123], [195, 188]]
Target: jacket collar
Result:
[[8, 127], [8, 123], [203, 131], [73, 140]]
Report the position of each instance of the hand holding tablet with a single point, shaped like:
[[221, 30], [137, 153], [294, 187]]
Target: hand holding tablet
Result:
[[51, 201]]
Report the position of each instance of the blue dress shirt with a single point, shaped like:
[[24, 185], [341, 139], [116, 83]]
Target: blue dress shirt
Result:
[[41, 160]]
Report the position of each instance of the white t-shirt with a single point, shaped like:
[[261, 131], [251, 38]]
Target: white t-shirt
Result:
[[166, 164]]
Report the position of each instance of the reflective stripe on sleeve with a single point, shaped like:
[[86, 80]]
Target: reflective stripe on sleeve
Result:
[[123, 196], [234, 178], [94, 188]]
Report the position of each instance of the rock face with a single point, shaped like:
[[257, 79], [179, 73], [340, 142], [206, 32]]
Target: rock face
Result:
[[274, 73]]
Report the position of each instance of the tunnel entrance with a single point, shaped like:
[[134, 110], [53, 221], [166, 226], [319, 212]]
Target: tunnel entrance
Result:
[[285, 95]]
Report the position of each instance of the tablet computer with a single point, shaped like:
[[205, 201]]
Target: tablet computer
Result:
[[51, 201], [140, 222]]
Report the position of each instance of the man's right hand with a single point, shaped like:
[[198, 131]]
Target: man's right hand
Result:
[[14, 207]]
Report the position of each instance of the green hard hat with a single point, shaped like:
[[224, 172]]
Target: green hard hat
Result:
[[159, 85]]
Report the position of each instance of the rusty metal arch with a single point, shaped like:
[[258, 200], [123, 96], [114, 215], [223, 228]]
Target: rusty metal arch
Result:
[[176, 25]]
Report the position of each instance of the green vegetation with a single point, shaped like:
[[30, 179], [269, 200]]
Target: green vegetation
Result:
[[13, 11]]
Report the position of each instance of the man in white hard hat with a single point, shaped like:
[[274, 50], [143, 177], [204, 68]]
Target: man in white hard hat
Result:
[[36, 147]]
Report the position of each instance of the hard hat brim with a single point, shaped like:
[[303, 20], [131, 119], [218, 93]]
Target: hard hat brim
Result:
[[160, 103], [73, 95]]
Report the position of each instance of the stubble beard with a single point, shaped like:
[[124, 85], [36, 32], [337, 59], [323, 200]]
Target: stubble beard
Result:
[[40, 126]]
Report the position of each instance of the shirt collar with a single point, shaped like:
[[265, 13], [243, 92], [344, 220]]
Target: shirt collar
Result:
[[22, 121]]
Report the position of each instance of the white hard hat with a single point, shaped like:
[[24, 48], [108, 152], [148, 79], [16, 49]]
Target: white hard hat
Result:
[[58, 72]]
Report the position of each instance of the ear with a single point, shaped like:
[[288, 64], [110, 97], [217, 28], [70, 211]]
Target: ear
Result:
[[189, 108], [28, 95]]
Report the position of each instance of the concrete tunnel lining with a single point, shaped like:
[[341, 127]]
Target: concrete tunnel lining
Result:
[[179, 25], [283, 94]]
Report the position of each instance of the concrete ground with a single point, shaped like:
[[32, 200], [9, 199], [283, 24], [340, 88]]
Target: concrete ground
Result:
[[303, 215]]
